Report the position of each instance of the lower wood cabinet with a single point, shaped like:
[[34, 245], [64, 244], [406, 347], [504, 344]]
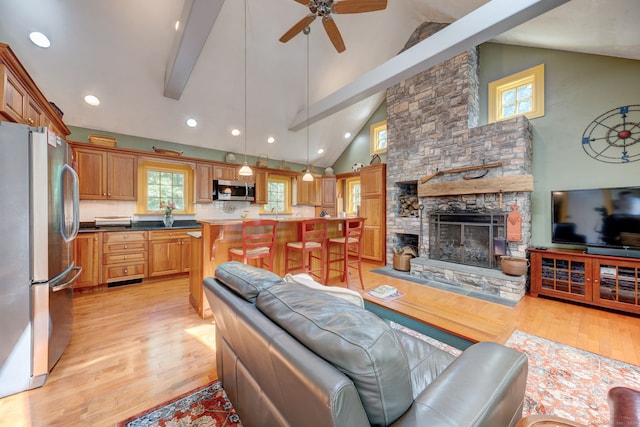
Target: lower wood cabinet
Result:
[[605, 281], [124, 256], [87, 255], [169, 252]]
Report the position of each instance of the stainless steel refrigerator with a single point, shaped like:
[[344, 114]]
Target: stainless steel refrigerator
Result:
[[38, 222]]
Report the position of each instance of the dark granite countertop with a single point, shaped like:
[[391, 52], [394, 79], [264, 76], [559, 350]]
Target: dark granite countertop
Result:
[[88, 227]]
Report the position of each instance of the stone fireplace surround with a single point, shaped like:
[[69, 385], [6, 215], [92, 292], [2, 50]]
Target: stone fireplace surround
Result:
[[432, 125]]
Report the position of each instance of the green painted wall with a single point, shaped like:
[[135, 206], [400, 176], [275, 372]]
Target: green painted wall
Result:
[[145, 144], [578, 88], [359, 148]]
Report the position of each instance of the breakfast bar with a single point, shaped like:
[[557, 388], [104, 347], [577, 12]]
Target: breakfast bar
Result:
[[218, 235]]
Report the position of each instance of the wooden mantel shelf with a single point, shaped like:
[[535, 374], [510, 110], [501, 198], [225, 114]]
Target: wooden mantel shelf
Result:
[[502, 184]]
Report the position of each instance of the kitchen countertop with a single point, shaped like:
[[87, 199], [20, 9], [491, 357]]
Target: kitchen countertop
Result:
[[284, 219], [90, 227]]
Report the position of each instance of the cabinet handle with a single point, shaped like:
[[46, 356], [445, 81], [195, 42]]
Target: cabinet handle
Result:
[[126, 247], [108, 194], [30, 120], [126, 271], [125, 257], [104, 194]]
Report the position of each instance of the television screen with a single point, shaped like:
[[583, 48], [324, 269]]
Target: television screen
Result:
[[608, 217]]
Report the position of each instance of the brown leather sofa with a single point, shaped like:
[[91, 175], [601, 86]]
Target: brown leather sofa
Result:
[[289, 355]]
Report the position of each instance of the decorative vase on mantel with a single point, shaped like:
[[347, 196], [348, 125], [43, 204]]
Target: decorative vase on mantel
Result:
[[168, 220]]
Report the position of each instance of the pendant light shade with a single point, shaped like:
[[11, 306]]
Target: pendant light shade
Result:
[[245, 170]]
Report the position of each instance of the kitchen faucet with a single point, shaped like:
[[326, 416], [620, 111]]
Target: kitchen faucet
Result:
[[275, 209]]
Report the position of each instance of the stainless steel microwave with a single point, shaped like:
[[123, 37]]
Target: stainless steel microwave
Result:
[[234, 190]]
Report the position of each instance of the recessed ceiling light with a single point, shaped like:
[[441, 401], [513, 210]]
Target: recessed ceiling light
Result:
[[321, 150], [92, 100], [235, 132], [177, 26], [347, 135], [271, 140], [39, 39], [192, 123]]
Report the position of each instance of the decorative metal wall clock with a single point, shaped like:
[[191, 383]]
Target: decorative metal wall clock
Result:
[[614, 137]]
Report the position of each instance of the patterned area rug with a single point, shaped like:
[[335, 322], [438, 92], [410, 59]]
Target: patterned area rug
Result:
[[207, 406], [563, 380]]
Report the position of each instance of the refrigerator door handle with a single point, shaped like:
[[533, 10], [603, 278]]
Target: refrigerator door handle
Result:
[[68, 283], [76, 206]]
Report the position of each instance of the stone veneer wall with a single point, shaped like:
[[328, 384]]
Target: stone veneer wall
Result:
[[432, 123]]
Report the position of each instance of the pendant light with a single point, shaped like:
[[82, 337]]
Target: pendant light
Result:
[[307, 175], [245, 170]]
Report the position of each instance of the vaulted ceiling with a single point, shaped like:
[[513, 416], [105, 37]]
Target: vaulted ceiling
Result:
[[120, 51]]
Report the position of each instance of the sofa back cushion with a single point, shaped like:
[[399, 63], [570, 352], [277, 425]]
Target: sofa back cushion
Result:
[[245, 280], [354, 340]]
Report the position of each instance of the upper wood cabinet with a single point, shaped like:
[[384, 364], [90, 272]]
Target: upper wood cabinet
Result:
[[20, 99], [310, 192], [224, 172], [261, 176], [329, 201], [106, 175], [204, 182]]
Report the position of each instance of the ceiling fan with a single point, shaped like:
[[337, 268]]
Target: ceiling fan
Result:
[[324, 9]]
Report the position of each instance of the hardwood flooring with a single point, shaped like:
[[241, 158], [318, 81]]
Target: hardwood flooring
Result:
[[136, 346]]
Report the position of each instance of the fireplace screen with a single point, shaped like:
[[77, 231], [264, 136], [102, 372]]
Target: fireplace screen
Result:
[[467, 238]]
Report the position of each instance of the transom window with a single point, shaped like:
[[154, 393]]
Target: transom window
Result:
[[518, 94], [278, 194], [164, 184]]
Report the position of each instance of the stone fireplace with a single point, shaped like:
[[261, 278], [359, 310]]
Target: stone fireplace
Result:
[[432, 127]]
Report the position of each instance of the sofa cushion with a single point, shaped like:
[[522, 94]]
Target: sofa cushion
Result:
[[344, 293], [245, 280], [356, 341]]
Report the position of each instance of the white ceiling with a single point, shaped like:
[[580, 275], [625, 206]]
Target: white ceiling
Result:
[[118, 50]]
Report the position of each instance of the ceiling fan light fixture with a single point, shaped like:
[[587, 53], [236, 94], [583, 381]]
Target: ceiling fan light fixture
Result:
[[245, 170]]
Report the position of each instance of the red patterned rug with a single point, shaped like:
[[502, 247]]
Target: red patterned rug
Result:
[[206, 406], [563, 380]]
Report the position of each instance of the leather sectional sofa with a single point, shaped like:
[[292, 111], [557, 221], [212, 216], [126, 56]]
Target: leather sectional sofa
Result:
[[289, 355]]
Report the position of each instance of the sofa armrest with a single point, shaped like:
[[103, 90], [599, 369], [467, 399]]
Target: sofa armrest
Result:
[[484, 386]]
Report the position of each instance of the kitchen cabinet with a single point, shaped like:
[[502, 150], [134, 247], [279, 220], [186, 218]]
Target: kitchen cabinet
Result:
[[124, 256], [225, 172], [373, 207], [169, 252], [261, 176], [328, 199], [601, 280], [309, 192], [20, 99], [87, 256], [106, 175], [204, 182]]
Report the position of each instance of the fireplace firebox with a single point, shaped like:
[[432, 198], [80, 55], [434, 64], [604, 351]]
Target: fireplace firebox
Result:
[[476, 239]]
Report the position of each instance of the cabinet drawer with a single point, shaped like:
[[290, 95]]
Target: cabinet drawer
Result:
[[124, 257], [170, 234], [124, 272], [125, 236], [124, 247]]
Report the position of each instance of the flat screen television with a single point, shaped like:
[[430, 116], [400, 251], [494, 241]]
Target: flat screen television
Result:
[[605, 220]]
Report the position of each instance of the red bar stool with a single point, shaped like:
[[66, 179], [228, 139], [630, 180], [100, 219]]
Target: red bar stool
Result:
[[258, 238], [345, 252], [311, 247]]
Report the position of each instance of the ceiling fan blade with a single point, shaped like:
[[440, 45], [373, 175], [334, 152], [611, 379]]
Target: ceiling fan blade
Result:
[[299, 26], [334, 34], [358, 6], [304, 2]]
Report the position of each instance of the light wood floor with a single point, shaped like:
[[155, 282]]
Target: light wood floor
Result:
[[136, 346]]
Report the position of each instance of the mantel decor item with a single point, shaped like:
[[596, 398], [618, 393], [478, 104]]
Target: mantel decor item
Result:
[[230, 158], [104, 140], [262, 161]]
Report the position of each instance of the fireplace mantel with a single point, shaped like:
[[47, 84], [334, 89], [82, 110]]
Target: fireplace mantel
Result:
[[501, 184]]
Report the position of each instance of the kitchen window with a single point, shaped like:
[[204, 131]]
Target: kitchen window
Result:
[[164, 183], [353, 195], [518, 94], [278, 195]]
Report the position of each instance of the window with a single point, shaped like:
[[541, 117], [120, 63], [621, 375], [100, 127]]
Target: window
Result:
[[353, 195], [518, 94], [378, 135], [278, 194], [164, 183]]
